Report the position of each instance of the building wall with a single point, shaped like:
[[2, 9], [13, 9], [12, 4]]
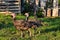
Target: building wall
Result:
[[10, 5]]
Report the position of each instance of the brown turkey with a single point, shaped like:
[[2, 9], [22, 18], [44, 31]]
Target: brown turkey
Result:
[[24, 25]]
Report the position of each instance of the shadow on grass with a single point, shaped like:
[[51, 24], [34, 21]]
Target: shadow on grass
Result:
[[5, 25], [54, 24], [51, 29]]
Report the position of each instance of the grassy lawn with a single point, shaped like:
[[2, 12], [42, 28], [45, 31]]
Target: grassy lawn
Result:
[[49, 31]]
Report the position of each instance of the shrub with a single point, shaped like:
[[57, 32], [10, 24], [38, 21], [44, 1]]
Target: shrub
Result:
[[5, 21], [39, 13], [28, 8], [31, 13]]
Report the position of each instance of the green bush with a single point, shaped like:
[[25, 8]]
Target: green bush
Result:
[[31, 13], [5, 21], [39, 13], [28, 8]]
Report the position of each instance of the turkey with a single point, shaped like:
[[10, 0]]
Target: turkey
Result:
[[24, 24]]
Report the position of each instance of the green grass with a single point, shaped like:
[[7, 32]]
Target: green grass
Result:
[[49, 31]]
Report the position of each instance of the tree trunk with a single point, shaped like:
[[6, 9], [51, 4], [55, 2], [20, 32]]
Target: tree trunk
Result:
[[35, 10], [39, 3]]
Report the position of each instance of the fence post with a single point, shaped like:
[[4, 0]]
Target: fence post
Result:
[[48, 12]]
